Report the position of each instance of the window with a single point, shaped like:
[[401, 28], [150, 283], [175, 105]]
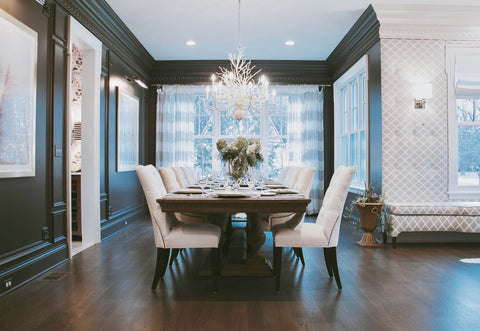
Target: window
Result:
[[463, 67], [271, 130], [351, 125]]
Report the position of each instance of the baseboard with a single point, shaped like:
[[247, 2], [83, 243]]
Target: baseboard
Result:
[[17, 274], [121, 219]]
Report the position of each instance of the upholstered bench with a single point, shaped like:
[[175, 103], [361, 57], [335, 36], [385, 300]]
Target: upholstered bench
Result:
[[458, 216]]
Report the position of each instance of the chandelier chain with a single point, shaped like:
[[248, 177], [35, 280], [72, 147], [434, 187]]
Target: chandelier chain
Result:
[[239, 8]]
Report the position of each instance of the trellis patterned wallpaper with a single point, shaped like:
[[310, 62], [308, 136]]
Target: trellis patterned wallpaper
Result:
[[415, 142], [415, 145]]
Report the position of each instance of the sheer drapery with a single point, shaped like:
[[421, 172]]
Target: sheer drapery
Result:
[[305, 136], [175, 115]]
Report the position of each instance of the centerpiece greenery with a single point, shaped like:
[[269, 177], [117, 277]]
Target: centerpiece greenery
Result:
[[240, 154]]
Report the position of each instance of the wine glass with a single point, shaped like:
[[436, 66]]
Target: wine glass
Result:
[[202, 183]]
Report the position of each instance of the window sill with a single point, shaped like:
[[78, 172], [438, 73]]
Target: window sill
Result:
[[458, 195]]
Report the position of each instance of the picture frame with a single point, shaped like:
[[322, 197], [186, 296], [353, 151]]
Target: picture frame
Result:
[[127, 130], [18, 88]]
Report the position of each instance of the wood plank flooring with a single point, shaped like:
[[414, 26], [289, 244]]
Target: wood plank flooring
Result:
[[107, 287]]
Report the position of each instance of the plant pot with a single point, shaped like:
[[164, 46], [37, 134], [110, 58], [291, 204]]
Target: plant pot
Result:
[[369, 214]]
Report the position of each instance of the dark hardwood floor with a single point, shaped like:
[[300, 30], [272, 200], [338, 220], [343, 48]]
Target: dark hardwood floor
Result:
[[107, 287]]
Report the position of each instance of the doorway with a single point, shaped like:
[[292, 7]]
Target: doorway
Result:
[[83, 141]]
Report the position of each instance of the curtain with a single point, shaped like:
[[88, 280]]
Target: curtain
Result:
[[305, 136], [175, 116]]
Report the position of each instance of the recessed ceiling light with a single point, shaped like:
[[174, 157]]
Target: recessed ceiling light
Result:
[[191, 43], [289, 43]]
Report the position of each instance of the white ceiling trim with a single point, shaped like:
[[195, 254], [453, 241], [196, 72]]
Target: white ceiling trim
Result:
[[444, 22]]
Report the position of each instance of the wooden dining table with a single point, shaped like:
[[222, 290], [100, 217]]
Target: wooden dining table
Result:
[[255, 206]]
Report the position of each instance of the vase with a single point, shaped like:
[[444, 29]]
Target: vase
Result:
[[369, 214]]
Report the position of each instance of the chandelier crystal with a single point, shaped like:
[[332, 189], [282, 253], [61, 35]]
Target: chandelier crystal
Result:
[[236, 91]]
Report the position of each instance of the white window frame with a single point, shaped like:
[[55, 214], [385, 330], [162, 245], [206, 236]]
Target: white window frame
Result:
[[454, 190], [264, 138], [357, 71]]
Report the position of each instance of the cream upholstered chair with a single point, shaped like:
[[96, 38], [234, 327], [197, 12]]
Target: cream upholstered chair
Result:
[[169, 179], [291, 176], [180, 176], [323, 233], [283, 174], [171, 234], [171, 184], [190, 175], [303, 185]]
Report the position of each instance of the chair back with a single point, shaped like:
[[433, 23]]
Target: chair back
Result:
[[190, 175], [180, 176], [305, 180], [153, 189], [291, 176], [283, 174], [330, 215], [169, 179]]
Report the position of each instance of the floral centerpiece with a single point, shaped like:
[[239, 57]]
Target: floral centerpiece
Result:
[[240, 154]]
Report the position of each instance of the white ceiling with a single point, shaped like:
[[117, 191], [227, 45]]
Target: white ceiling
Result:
[[316, 26]]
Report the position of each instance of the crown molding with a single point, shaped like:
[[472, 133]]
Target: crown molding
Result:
[[278, 72], [446, 22], [362, 36], [100, 19]]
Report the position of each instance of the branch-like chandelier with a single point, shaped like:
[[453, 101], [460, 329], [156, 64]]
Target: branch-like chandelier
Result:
[[236, 91]]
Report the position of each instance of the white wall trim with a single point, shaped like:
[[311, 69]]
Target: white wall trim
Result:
[[447, 22], [90, 185]]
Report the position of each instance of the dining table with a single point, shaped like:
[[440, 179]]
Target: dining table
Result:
[[255, 204]]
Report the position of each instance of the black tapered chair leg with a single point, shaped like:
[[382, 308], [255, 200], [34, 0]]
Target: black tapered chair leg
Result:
[[161, 265], [299, 253], [326, 254], [174, 255], [277, 267], [215, 255], [333, 261]]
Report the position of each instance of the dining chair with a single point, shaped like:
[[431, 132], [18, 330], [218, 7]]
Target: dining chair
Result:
[[169, 233], [324, 233], [180, 176], [190, 174], [303, 185], [283, 174], [291, 176]]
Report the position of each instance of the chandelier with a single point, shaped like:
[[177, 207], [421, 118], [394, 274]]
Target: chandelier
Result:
[[236, 91]]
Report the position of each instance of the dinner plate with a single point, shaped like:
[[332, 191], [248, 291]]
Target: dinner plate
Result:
[[188, 191], [276, 186], [232, 194], [285, 191], [267, 193]]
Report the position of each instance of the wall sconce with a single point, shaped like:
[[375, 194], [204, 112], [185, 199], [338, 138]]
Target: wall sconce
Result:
[[140, 82], [421, 92]]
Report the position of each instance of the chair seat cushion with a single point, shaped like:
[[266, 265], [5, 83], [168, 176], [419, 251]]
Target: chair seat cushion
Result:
[[306, 235], [193, 235]]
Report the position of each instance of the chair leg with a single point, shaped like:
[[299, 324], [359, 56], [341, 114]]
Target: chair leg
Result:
[[215, 267], [333, 261], [299, 253], [174, 255], [161, 265], [277, 265], [327, 262]]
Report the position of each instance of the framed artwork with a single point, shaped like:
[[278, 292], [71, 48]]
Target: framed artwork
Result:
[[18, 79], [127, 131]]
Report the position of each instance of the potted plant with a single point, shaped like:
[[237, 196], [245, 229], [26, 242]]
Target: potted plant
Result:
[[371, 208]]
